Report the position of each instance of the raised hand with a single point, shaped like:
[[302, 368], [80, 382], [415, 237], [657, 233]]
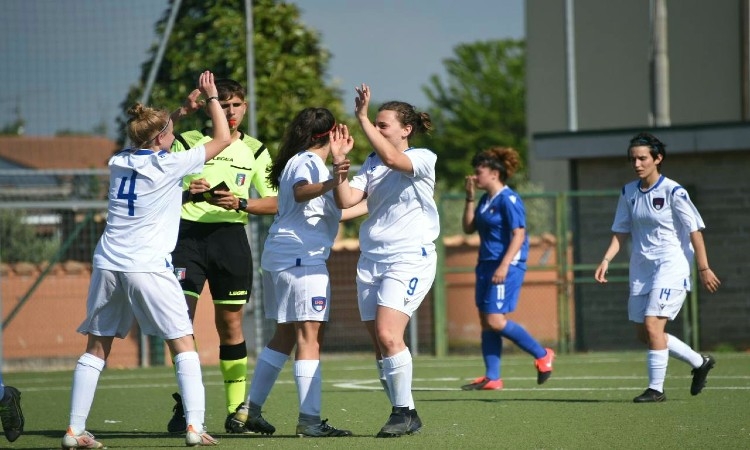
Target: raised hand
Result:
[[206, 84], [341, 142], [362, 101]]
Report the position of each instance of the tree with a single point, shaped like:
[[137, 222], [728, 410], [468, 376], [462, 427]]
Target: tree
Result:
[[481, 104], [289, 61]]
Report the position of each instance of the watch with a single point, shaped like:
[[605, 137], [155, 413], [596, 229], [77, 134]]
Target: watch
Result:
[[242, 205]]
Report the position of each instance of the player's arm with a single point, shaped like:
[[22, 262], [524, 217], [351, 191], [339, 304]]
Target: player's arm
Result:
[[468, 218], [707, 276], [617, 242], [345, 195], [221, 137], [360, 209]]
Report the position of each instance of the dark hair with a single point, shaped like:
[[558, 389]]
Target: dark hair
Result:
[[229, 88], [649, 140], [145, 123], [503, 159], [308, 129], [408, 115]]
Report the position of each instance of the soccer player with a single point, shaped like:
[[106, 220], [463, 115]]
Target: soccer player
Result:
[[296, 287], [213, 243], [665, 229], [11, 415], [500, 219], [397, 264], [132, 271]]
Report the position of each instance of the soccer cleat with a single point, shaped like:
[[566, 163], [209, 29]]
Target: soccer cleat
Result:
[[11, 414], [483, 384], [81, 440], [700, 374], [201, 438], [650, 396], [259, 425], [544, 366], [177, 424], [321, 429], [235, 422], [401, 421]]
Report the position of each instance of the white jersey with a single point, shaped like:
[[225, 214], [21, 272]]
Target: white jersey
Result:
[[302, 233], [403, 221], [143, 215], [659, 222]]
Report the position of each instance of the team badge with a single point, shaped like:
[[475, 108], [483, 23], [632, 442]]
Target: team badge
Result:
[[240, 179], [658, 203], [180, 273], [319, 303]]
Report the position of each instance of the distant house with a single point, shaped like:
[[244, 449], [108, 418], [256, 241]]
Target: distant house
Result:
[[55, 159]]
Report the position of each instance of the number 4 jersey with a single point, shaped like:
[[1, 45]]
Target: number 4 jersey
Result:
[[143, 215]]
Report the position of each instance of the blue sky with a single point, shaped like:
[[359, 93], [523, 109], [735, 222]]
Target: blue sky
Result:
[[59, 55]]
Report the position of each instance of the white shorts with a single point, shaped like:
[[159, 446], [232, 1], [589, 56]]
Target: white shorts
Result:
[[155, 299], [297, 294], [401, 285], [657, 303]]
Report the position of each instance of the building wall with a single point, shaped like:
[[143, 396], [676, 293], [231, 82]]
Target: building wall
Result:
[[612, 69]]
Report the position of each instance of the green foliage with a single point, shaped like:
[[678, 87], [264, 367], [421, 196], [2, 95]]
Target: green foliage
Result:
[[480, 104], [19, 242], [289, 62]]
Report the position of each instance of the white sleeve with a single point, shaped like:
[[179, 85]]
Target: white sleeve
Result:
[[622, 215], [685, 211]]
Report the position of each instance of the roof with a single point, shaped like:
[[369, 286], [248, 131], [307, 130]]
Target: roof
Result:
[[63, 152]]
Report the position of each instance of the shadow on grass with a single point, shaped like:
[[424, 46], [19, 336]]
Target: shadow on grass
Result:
[[506, 400]]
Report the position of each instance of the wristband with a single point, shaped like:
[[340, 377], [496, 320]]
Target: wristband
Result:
[[212, 98], [469, 199]]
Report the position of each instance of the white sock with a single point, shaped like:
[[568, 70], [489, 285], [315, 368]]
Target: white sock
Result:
[[267, 369], [683, 352], [190, 383], [307, 377], [398, 374], [85, 379], [657, 368], [383, 382]]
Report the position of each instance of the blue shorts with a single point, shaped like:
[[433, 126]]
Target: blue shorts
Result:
[[497, 298]]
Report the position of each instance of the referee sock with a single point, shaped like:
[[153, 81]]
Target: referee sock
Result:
[[233, 367], [85, 379], [683, 352], [492, 352], [523, 339], [657, 368]]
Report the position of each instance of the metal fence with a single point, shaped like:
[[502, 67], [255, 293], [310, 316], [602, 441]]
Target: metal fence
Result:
[[51, 220]]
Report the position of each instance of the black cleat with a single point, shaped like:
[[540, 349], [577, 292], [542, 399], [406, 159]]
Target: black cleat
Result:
[[650, 396], [177, 424], [259, 425], [700, 374], [321, 429], [11, 414], [402, 421], [235, 423]]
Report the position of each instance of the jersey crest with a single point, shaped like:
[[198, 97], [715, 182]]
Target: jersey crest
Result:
[[658, 203], [240, 179], [319, 303]]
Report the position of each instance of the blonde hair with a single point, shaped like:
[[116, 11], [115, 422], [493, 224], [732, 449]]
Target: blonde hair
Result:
[[146, 123]]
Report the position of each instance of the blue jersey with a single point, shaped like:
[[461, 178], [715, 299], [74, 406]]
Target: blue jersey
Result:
[[495, 219]]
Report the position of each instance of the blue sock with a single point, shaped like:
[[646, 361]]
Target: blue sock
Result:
[[492, 352], [523, 339]]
